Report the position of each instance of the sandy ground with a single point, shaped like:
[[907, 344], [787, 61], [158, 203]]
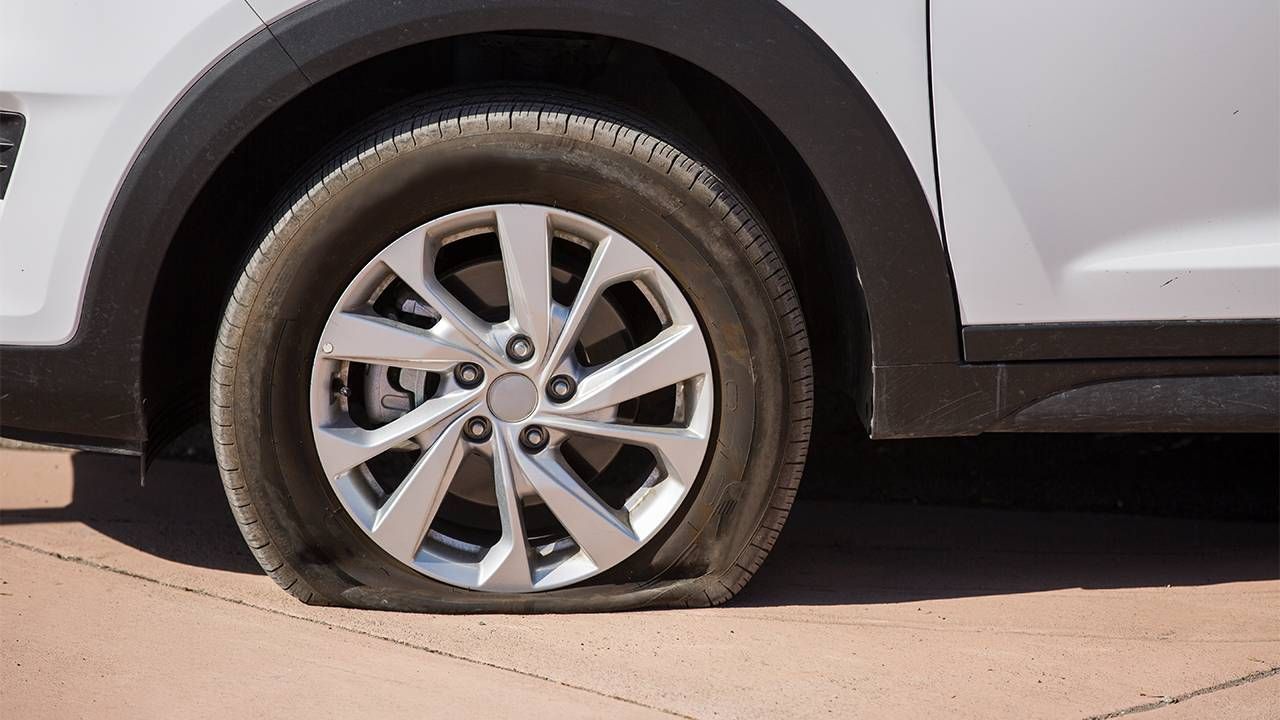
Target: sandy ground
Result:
[[118, 600]]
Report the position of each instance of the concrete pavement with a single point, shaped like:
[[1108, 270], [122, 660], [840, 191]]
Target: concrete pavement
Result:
[[126, 601]]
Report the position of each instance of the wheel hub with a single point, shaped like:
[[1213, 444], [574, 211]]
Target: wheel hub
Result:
[[512, 397]]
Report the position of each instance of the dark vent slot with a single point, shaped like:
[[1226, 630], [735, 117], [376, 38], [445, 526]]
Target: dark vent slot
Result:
[[11, 126]]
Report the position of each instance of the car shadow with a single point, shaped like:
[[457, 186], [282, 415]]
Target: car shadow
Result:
[[838, 553], [178, 513], [836, 549], [896, 521]]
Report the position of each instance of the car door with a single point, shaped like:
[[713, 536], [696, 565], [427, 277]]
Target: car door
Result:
[[1109, 161]]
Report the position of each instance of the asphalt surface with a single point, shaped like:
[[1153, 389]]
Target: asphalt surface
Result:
[[121, 600]]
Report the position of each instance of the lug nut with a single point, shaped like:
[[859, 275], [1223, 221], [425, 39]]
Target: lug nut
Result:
[[477, 429], [533, 438], [520, 348], [561, 388], [468, 374]]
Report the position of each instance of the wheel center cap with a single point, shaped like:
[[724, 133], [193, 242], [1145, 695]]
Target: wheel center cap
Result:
[[512, 397]]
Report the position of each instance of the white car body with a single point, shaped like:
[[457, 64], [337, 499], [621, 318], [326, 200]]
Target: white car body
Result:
[[93, 82], [1096, 162], [1122, 168]]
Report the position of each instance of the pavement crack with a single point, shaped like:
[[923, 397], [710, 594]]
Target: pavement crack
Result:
[[898, 625], [86, 562], [1174, 699]]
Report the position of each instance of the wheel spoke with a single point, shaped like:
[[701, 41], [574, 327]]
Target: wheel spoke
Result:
[[602, 532], [678, 450], [409, 258], [403, 520], [379, 341], [613, 261], [505, 567], [675, 355], [525, 239], [344, 446]]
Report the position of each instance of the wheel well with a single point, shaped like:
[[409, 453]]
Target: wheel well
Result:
[[729, 133]]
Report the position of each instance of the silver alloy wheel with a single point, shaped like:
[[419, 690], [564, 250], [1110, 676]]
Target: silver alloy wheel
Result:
[[515, 397]]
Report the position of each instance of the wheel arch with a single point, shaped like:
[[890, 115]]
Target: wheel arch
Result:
[[170, 208], [778, 65]]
